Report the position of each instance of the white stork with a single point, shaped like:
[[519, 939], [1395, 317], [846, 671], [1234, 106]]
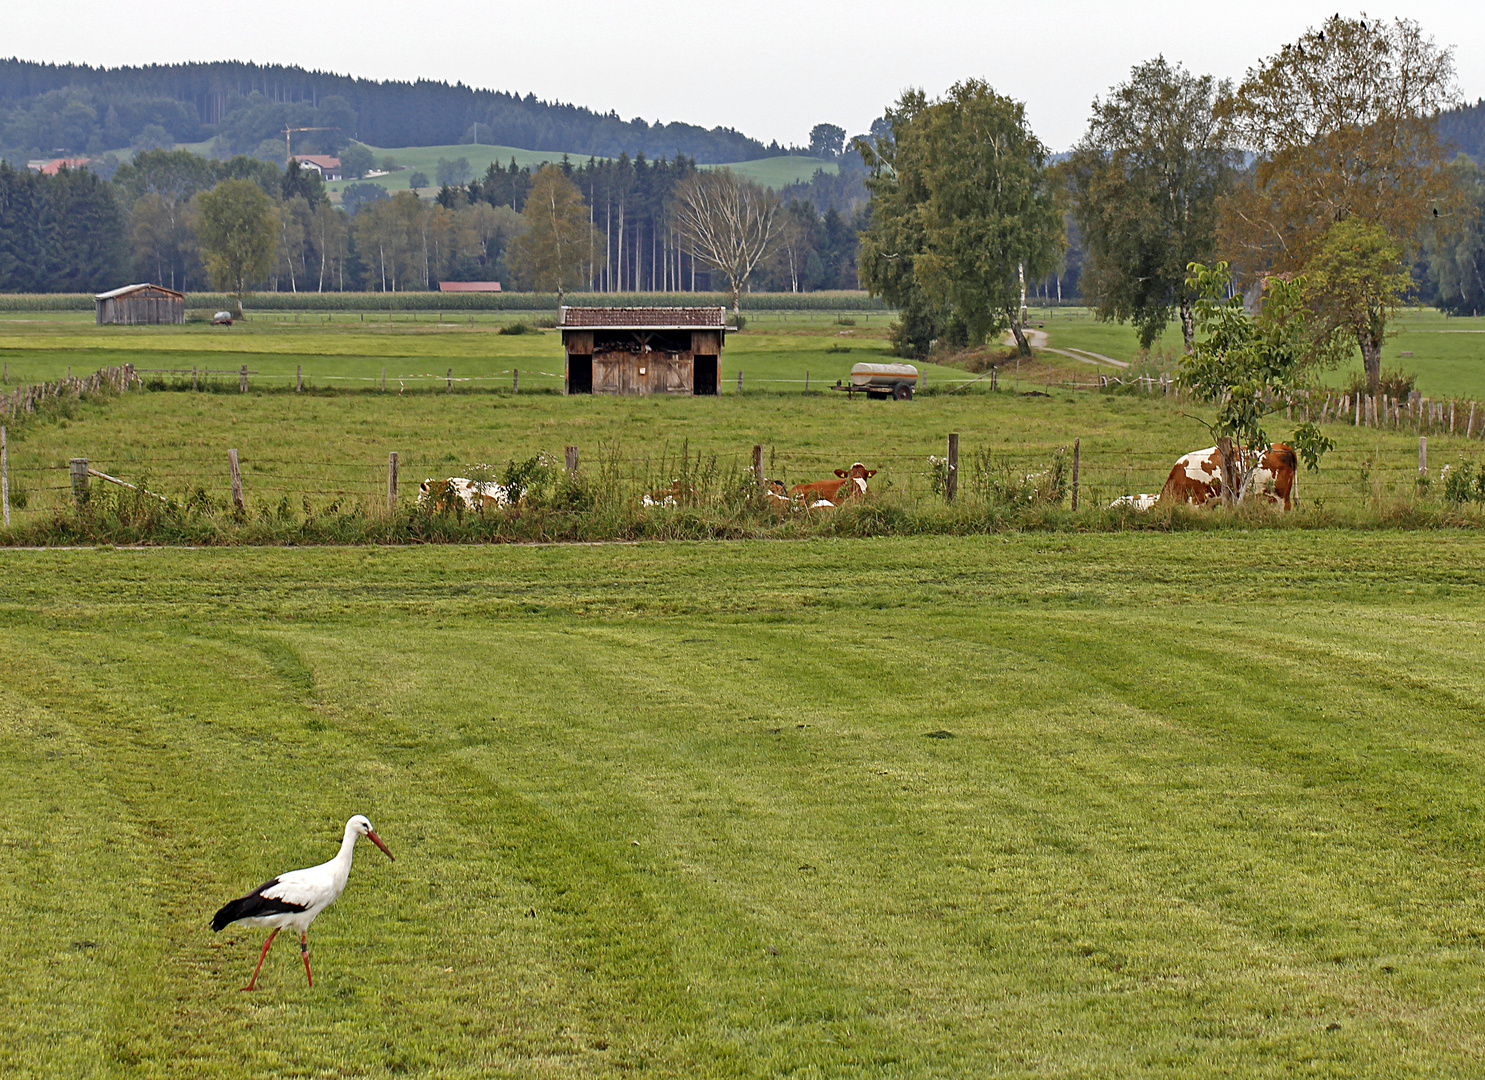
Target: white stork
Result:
[[295, 898]]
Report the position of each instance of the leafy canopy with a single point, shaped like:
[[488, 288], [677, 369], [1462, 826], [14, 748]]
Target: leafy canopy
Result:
[[1248, 366], [961, 205], [1145, 181]]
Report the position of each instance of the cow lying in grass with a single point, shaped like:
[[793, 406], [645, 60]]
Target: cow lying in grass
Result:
[[675, 495], [1196, 478], [447, 496], [849, 484]]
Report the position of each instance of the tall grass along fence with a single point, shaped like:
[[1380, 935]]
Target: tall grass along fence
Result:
[[27, 400], [437, 301], [606, 492]]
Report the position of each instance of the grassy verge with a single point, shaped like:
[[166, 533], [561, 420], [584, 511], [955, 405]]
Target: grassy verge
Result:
[[1063, 806]]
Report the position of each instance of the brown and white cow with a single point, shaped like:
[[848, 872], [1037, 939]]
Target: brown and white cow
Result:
[[1270, 477], [447, 496], [850, 484], [675, 495]]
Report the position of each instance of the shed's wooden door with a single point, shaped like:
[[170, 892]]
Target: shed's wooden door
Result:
[[608, 373]]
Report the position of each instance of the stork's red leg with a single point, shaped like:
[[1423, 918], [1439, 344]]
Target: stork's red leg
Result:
[[254, 980], [304, 952]]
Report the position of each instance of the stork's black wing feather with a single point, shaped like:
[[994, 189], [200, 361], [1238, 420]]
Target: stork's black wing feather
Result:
[[253, 906]]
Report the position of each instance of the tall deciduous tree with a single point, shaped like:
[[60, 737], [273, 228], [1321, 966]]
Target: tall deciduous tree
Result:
[[962, 209], [238, 230], [729, 222], [553, 253], [1145, 182], [1354, 282], [1344, 124]]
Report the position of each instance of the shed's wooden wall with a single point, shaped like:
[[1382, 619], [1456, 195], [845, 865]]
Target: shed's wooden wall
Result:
[[141, 310]]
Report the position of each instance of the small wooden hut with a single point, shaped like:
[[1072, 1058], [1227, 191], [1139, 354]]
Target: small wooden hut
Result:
[[145, 303], [643, 350]]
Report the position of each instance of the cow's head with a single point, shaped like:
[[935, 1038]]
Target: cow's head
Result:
[[857, 471]]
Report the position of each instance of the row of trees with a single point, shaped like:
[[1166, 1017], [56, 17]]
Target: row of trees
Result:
[[1324, 165]]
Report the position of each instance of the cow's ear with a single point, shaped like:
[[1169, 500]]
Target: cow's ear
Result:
[[870, 473], [840, 473]]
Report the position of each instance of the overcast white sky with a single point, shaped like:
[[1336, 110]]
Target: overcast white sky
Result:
[[770, 68]]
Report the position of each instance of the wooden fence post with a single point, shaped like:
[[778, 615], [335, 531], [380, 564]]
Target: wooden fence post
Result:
[[758, 465], [242, 380], [1077, 448], [4, 476], [515, 380], [384, 380], [193, 378], [1469, 431], [994, 379], [739, 380], [1422, 454], [232, 467], [951, 468], [392, 480], [78, 467], [7, 372], [450, 384], [572, 460], [806, 380], [299, 378]]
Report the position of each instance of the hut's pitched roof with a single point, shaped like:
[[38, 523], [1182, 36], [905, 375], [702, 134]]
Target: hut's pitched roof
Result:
[[128, 290], [643, 318]]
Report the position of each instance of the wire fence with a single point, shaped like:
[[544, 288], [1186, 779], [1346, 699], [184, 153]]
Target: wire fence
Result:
[[1108, 467], [986, 472]]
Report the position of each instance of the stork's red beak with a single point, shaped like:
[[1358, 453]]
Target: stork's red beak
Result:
[[377, 840]]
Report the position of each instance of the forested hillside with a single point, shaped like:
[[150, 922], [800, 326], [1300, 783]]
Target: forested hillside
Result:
[[53, 110], [1465, 129]]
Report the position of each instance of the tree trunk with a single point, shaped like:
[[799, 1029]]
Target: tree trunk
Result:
[[1371, 360], [736, 297], [1022, 347], [1232, 480], [1188, 324]]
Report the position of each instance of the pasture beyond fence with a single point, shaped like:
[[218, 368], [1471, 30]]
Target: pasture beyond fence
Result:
[[1082, 474]]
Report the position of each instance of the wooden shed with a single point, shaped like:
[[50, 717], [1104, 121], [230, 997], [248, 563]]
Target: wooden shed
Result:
[[643, 350], [141, 304]]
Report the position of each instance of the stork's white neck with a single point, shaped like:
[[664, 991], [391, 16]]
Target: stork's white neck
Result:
[[342, 858]]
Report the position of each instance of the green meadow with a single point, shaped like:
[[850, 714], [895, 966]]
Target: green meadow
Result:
[[774, 172], [1062, 806], [330, 443], [1446, 354]]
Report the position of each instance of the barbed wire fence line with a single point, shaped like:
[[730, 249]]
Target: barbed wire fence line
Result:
[[1105, 472]]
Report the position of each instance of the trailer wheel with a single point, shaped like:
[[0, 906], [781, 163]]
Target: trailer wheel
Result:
[[902, 392]]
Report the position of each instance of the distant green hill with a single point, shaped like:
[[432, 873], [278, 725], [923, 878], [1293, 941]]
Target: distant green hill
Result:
[[776, 172]]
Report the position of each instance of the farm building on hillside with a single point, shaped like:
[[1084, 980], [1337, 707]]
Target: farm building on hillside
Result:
[[141, 304], [639, 350], [327, 165]]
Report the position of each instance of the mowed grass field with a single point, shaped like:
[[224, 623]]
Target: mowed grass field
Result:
[[1067, 806]]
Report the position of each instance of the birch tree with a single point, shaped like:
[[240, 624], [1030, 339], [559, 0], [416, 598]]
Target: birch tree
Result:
[[728, 222], [1145, 180], [962, 210], [553, 253]]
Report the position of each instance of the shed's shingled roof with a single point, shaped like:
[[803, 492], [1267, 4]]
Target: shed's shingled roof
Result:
[[644, 318], [141, 287]]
